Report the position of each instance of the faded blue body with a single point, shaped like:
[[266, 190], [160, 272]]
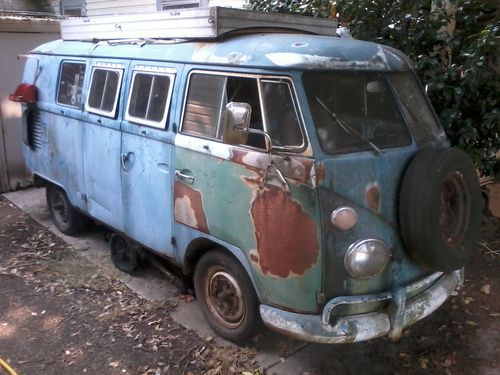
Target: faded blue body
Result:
[[83, 153]]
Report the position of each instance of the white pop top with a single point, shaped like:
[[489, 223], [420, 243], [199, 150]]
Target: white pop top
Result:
[[188, 24]]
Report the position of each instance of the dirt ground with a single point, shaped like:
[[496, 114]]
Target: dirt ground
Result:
[[60, 315]]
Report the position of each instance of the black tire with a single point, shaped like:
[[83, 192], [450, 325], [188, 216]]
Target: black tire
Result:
[[65, 217], [125, 255], [226, 296], [440, 209]]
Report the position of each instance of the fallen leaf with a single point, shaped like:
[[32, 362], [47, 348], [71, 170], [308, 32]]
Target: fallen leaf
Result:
[[486, 289], [471, 322], [468, 300], [423, 362]]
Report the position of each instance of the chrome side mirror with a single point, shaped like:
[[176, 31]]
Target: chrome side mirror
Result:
[[236, 120], [427, 88]]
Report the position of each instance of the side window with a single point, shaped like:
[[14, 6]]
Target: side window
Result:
[[104, 91], [70, 84], [204, 105], [149, 98], [208, 95]]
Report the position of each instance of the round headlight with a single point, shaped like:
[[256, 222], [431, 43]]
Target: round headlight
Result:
[[366, 258], [344, 218]]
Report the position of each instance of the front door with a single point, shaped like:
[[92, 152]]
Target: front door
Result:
[[146, 157], [220, 190]]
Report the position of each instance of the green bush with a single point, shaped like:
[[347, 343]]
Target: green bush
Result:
[[459, 66]]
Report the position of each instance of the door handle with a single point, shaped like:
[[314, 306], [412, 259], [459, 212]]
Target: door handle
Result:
[[184, 175], [124, 157]]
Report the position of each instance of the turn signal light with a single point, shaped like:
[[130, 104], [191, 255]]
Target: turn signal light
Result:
[[25, 93]]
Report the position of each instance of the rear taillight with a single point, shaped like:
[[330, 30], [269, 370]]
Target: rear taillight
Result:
[[25, 93]]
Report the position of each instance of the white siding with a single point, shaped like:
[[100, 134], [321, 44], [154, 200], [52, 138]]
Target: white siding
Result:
[[227, 3], [102, 7]]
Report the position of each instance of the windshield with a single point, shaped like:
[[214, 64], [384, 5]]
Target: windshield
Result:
[[354, 111], [417, 112]]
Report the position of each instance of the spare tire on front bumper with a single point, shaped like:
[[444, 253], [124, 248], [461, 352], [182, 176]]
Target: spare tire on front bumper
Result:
[[440, 209]]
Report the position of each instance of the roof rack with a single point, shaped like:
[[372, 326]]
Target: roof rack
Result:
[[199, 23]]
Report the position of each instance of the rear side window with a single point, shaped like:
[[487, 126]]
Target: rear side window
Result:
[[149, 98], [104, 91], [209, 94], [70, 84]]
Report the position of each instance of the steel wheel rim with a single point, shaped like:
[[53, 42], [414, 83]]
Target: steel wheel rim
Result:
[[455, 208], [224, 298], [59, 206]]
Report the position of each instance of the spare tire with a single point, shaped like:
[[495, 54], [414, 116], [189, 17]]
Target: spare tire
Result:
[[440, 209]]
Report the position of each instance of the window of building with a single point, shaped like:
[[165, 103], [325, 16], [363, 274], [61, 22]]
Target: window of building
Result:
[[104, 91], [73, 8], [149, 98], [179, 4], [70, 84], [208, 95]]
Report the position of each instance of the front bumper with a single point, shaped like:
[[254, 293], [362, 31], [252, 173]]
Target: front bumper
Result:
[[401, 313]]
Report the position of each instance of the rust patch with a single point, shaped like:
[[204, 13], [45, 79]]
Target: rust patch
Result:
[[320, 173], [295, 168], [237, 155], [372, 195], [188, 207], [286, 237]]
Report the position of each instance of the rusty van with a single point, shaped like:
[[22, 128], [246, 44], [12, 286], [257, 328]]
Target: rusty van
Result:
[[302, 180]]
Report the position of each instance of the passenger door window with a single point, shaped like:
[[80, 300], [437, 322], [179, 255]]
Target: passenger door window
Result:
[[208, 95], [104, 91], [70, 84], [149, 98]]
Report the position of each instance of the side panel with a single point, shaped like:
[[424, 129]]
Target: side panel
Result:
[[277, 231], [56, 150], [147, 175]]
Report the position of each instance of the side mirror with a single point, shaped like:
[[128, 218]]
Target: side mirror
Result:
[[427, 89], [236, 121]]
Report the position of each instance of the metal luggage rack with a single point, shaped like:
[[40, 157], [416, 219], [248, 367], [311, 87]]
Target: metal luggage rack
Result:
[[200, 23]]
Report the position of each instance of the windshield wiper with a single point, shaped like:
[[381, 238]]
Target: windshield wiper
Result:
[[349, 130]]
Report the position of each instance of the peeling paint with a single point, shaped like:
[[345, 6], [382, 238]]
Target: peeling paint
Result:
[[188, 207], [372, 194], [280, 252], [207, 55], [298, 169], [291, 59]]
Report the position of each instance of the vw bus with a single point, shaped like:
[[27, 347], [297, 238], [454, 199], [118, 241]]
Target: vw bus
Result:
[[302, 180]]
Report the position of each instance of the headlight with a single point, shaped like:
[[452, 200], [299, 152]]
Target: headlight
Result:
[[366, 258]]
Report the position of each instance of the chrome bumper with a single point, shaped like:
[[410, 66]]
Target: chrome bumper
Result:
[[401, 313]]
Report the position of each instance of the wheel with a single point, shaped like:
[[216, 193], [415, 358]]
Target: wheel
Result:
[[440, 209], [125, 255], [226, 296], [65, 217]]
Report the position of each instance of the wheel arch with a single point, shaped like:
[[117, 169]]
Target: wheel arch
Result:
[[201, 245]]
